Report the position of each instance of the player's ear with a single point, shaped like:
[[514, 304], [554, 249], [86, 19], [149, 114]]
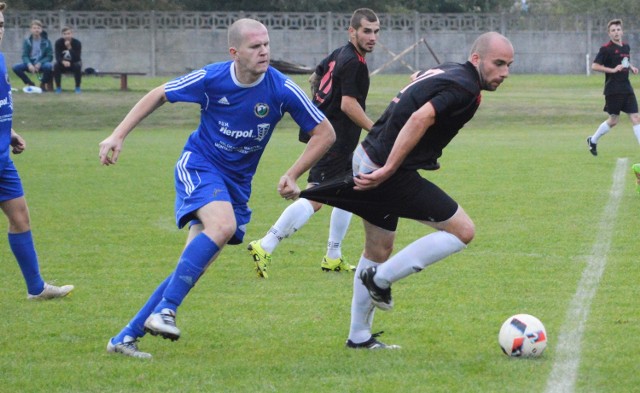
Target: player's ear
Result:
[[474, 59], [233, 52]]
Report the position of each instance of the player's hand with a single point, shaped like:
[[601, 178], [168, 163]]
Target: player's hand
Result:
[[287, 188], [368, 181], [17, 143], [110, 150]]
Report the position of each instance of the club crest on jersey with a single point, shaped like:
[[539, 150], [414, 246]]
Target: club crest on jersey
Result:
[[261, 110], [263, 130]]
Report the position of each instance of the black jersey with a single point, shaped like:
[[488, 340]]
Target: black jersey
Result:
[[611, 55], [454, 91], [343, 73]]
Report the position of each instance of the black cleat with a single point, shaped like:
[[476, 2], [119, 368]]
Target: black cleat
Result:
[[381, 298], [371, 343], [592, 147]]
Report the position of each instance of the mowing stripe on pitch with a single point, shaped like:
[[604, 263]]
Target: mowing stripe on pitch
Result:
[[568, 347]]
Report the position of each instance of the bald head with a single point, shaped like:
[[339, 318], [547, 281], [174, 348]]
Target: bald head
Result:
[[488, 42], [239, 29]]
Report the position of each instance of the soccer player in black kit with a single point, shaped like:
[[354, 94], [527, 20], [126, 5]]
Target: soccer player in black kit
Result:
[[615, 61], [340, 85], [411, 134]]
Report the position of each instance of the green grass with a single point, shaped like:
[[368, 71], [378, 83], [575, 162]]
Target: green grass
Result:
[[521, 170]]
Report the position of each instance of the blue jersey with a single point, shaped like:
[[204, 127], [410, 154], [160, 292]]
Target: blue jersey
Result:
[[237, 120], [6, 114]]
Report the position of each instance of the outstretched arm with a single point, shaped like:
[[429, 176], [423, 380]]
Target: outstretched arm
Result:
[[110, 148], [322, 137]]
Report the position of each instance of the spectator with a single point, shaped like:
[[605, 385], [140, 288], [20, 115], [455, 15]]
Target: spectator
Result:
[[68, 54], [37, 55]]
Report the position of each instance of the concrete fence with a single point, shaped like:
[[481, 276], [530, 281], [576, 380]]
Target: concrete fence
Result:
[[167, 43]]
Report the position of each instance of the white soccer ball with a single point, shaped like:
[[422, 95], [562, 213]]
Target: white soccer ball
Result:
[[522, 335]]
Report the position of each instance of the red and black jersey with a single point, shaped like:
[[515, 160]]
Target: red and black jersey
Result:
[[611, 55], [343, 73], [454, 91]]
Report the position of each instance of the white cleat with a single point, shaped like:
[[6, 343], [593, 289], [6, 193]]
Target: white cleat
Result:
[[128, 347], [51, 292], [163, 324]]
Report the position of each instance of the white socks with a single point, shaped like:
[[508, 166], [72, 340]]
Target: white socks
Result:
[[291, 219], [362, 309], [338, 227], [416, 256], [602, 129], [636, 130]]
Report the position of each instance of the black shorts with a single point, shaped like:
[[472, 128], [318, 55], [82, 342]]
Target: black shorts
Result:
[[405, 194], [616, 103], [331, 165]]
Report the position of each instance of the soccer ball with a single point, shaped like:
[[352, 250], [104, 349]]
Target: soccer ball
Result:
[[522, 335]]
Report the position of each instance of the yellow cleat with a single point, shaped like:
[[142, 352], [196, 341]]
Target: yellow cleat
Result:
[[336, 265], [261, 258], [636, 171]]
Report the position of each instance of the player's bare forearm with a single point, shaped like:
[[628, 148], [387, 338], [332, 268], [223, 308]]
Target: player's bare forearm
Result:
[[351, 107], [322, 137]]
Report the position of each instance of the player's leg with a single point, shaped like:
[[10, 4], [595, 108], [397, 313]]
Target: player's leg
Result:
[[613, 106], [14, 206], [378, 246], [126, 341], [338, 226], [219, 224]]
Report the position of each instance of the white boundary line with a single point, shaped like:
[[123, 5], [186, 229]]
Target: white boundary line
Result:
[[565, 368]]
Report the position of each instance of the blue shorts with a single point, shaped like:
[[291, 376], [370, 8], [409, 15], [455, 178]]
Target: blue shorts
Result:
[[198, 183], [10, 184]]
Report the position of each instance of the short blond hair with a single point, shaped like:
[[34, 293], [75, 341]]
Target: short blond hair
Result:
[[614, 22]]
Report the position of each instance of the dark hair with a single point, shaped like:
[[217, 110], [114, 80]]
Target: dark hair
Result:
[[362, 13], [66, 28]]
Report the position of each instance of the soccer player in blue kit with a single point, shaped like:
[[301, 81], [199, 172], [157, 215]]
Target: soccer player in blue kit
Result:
[[12, 200], [241, 102]]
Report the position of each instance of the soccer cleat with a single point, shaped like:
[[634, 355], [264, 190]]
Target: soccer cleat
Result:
[[58, 90], [371, 343], [51, 292], [636, 171], [128, 347], [336, 265], [592, 147], [163, 324], [261, 258], [381, 298], [78, 90]]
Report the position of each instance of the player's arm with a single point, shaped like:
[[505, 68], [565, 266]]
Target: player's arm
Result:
[[607, 70], [408, 137], [322, 137], [17, 143], [143, 108], [351, 107]]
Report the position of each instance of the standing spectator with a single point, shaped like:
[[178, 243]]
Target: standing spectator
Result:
[[12, 201], [410, 135], [340, 86], [614, 60], [241, 102], [37, 55], [68, 53]]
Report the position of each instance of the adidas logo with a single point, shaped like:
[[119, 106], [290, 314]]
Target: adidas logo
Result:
[[223, 101]]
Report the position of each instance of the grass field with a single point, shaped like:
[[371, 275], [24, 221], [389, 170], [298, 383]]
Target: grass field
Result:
[[521, 170]]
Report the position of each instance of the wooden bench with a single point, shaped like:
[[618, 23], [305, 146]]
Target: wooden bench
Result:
[[124, 77]]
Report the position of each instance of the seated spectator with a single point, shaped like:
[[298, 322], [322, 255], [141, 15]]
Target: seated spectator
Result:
[[68, 54], [37, 55]]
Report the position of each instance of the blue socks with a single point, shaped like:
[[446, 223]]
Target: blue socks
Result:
[[172, 291], [22, 247], [192, 263]]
